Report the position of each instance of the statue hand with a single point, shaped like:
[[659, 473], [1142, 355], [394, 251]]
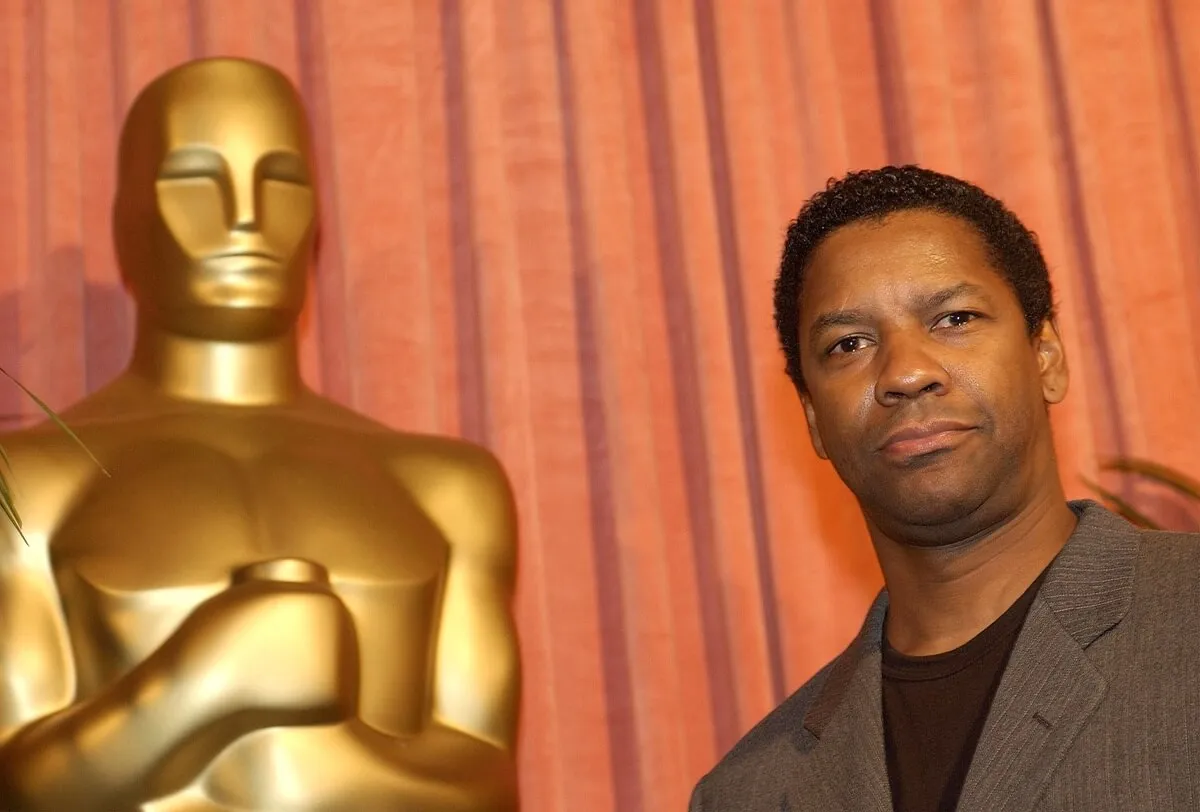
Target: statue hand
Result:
[[278, 642]]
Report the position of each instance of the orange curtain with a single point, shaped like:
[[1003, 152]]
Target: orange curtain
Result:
[[551, 226]]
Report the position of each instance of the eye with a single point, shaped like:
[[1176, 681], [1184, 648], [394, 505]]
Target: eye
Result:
[[185, 164], [847, 345], [958, 318], [283, 167]]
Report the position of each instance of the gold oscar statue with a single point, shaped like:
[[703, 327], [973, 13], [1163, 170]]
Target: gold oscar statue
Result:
[[273, 603]]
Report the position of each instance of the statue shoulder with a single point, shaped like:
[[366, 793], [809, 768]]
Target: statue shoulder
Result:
[[425, 462], [448, 465], [45, 450], [45, 470], [461, 485]]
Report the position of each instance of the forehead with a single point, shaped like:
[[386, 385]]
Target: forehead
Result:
[[236, 110], [242, 116], [907, 251]]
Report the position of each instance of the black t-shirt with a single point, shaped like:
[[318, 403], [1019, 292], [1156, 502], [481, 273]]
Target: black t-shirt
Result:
[[934, 708]]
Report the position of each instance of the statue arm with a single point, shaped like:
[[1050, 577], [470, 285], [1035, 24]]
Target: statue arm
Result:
[[114, 748], [35, 656], [56, 753], [143, 736], [59, 755], [467, 752], [476, 682], [462, 760]]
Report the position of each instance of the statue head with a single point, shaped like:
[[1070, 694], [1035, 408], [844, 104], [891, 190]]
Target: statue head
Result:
[[215, 211]]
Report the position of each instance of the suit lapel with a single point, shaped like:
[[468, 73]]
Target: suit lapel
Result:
[[1050, 688], [851, 753], [1047, 694], [845, 767]]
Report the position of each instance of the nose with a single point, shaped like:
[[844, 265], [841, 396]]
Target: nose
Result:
[[245, 205], [909, 371]]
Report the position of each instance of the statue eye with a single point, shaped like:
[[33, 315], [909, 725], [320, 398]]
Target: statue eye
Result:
[[192, 163], [283, 167]]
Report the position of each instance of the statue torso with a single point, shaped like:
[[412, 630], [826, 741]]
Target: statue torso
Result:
[[195, 495]]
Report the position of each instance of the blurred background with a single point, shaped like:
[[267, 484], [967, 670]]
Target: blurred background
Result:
[[551, 226]]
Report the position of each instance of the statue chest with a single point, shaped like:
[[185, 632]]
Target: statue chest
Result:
[[183, 510]]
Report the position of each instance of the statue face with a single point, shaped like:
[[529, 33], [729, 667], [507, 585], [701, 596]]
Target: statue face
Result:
[[215, 212]]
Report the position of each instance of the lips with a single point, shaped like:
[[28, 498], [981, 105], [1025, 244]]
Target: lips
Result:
[[914, 439], [247, 255]]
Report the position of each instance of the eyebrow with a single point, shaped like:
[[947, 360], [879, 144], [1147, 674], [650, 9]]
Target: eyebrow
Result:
[[847, 318]]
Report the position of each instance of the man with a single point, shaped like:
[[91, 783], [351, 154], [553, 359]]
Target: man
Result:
[[1027, 652]]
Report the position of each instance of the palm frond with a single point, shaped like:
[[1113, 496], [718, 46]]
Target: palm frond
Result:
[[1122, 506], [1175, 480], [9, 506], [7, 503], [54, 417], [6, 498]]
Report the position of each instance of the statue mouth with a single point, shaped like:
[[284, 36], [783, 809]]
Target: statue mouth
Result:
[[245, 254], [243, 263]]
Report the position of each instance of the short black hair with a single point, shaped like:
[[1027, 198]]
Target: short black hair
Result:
[[873, 194]]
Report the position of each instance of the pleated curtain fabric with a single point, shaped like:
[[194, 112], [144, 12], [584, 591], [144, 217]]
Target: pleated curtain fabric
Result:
[[551, 226]]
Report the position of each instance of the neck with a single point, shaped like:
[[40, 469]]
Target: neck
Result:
[[940, 598], [239, 373]]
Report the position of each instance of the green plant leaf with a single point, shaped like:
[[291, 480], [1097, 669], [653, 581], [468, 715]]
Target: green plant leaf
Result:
[[1177, 481], [1122, 507]]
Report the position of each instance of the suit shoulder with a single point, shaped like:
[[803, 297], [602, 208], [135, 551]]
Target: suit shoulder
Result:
[[751, 761], [1169, 545], [785, 720], [1167, 563]]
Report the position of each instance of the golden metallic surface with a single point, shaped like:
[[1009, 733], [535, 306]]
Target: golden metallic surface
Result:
[[273, 603]]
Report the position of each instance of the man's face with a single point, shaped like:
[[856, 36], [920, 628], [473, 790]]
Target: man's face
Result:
[[924, 388]]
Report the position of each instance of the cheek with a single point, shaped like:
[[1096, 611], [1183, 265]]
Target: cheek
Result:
[[194, 213], [844, 419], [1006, 389], [287, 212]]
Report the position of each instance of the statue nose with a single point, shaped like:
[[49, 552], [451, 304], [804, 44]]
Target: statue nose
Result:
[[245, 206]]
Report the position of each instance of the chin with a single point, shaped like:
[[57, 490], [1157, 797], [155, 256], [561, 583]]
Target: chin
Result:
[[935, 510], [928, 514]]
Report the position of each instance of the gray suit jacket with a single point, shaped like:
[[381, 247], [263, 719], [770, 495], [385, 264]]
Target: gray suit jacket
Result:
[[1098, 709]]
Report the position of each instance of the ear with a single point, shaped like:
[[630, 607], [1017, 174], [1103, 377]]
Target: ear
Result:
[[1052, 363], [814, 433]]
